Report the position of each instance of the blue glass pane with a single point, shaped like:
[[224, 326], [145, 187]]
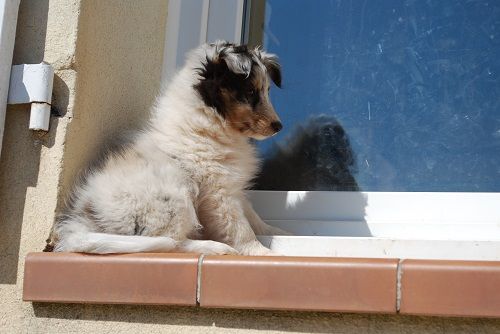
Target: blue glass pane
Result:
[[385, 95]]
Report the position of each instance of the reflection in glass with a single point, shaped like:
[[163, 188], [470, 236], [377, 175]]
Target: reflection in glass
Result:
[[315, 156], [415, 85]]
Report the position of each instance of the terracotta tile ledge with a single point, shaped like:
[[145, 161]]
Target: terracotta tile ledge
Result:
[[450, 288], [295, 283], [124, 279], [426, 287]]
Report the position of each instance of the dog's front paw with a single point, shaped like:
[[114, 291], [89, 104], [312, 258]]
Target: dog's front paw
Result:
[[257, 249], [207, 247], [218, 248]]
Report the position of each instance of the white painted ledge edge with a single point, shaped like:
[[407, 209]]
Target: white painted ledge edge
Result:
[[375, 247]]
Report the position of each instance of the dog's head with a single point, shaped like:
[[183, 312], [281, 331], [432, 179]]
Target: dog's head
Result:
[[235, 81]]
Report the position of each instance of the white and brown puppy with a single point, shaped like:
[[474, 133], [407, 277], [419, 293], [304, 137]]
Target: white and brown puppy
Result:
[[180, 185]]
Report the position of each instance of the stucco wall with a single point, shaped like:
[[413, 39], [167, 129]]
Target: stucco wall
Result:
[[107, 56]]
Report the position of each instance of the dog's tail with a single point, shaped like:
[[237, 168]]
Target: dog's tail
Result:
[[104, 243], [74, 234]]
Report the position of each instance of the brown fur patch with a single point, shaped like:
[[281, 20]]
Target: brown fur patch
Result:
[[247, 120]]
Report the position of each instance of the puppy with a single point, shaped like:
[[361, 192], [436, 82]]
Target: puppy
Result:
[[179, 186]]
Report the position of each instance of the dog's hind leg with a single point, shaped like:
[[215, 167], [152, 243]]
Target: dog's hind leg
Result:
[[183, 226], [207, 247], [223, 220]]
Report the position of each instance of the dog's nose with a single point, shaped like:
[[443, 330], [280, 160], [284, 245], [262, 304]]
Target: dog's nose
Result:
[[276, 126]]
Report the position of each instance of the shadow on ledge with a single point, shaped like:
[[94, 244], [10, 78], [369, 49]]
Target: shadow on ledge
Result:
[[302, 322]]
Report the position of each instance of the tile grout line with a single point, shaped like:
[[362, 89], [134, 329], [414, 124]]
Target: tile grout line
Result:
[[399, 277], [198, 279]]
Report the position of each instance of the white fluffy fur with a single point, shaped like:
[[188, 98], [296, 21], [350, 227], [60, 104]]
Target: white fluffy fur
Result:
[[181, 180]]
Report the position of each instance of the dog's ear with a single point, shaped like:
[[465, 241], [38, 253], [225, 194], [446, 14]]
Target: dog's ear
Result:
[[273, 67], [237, 60]]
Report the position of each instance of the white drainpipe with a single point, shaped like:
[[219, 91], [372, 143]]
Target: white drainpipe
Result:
[[25, 83], [8, 22]]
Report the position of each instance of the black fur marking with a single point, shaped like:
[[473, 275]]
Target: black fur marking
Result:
[[48, 248], [273, 69], [138, 229], [216, 76], [253, 97]]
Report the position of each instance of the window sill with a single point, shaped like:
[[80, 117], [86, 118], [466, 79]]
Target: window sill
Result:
[[425, 287]]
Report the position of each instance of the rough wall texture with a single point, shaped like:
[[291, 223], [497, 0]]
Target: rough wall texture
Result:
[[107, 56], [118, 59], [31, 163]]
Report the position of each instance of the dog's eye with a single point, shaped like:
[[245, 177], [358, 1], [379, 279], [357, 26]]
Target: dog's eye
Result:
[[252, 97]]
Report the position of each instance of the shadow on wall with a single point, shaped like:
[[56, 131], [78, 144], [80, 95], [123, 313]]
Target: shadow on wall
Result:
[[117, 81], [21, 149], [316, 156], [209, 320]]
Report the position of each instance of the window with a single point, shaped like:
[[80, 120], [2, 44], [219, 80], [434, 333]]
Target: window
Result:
[[384, 95], [392, 122]]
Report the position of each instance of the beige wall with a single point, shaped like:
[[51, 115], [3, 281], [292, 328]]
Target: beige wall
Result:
[[107, 56]]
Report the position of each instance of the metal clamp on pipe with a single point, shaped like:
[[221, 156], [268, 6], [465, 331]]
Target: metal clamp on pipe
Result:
[[32, 83]]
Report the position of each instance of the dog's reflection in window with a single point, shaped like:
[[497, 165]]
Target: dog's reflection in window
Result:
[[316, 156]]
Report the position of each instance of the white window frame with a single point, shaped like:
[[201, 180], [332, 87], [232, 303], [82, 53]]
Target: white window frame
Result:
[[194, 22], [422, 225]]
